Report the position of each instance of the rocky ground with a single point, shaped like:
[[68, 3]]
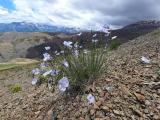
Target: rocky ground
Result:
[[128, 90], [26, 104]]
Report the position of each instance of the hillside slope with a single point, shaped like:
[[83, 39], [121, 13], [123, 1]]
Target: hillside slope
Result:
[[133, 88], [126, 91], [137, 29], [15, 44], [125, 34]]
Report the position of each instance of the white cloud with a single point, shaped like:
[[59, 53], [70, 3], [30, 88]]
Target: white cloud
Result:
[[82, 13], [3, 11], [57, 12]]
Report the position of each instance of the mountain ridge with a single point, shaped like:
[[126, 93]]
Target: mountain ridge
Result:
[[33, 27], [31, 44], [136, 29]]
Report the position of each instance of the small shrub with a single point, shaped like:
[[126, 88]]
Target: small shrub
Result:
[[15, 88], [113, 45], [156, 32], [79, 67], [83, 69], [75, 66]]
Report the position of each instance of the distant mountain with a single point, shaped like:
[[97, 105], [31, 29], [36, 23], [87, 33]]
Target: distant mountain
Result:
[[31, 44], [144, 24], [33, 27], [134, 30]]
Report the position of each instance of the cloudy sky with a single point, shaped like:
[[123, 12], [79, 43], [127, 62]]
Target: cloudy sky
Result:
[[79, 13]]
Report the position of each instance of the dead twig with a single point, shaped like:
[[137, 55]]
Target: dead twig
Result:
[[152, 83]]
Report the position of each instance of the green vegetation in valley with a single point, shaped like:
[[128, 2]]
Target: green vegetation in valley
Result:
[[17, 63], [6, 66]]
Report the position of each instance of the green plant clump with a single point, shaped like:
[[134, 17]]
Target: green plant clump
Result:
[[15, 88], [113, 45], [73, 66], [83, 69]]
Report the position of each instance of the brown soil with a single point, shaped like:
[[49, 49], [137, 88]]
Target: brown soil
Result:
[[135, 93]]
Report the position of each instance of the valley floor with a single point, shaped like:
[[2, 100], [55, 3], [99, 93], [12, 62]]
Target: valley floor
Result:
[[128, 90]]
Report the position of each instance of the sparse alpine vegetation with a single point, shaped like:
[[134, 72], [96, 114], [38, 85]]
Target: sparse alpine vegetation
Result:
[[77, 67], [83, 69], [6, 66], [113, 45], [128, 88], [15, 88]]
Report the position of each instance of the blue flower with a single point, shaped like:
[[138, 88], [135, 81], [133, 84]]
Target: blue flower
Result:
[[94, 35], [94, 40], [54, 72], [67, 44], [106, 29], [90, 98], [47, 48], [34, 81], [80, 46], [76, 53], [46, 57], [43, 65], [62, 51], [63, 84], [35, 71], [65, 63], [58, 54]]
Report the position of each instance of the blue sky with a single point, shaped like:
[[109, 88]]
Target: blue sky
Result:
[[79, 13], [8, 4]]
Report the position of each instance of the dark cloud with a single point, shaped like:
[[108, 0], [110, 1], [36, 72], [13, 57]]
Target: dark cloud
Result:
[[83, 13], [121, 12]]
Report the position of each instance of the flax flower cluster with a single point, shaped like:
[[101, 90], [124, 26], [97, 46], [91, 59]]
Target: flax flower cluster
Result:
[[48, 72]]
